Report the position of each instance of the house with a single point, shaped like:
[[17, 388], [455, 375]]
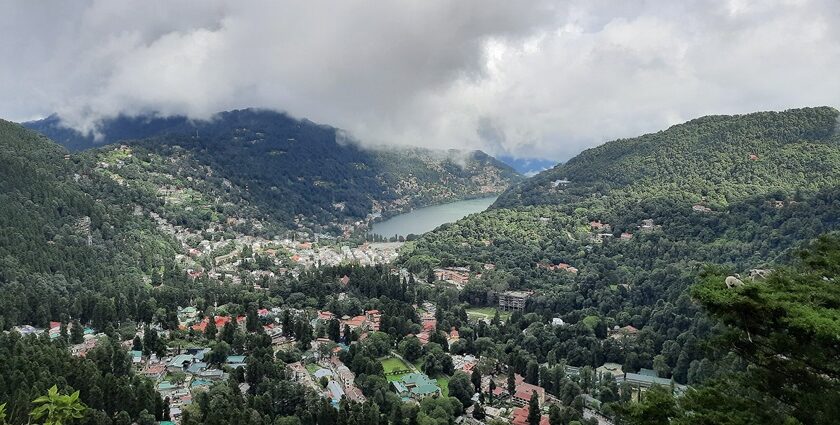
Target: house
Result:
[[513, 300], [753, 157], [454, 335], [647, 378], [613, 369], [524, 390], [235, 361], [320, 373], [557, 322], [345, 280], [519, 416], [626, 236], [297, 372], [136, 356], [626, 332], [180, 363], [415, 386], [336, 392], [597, 225], [647, 225], [358, 322], [456, 275], [196, 368], [154, 371], [346, 377], [701, 209], [211, 375]]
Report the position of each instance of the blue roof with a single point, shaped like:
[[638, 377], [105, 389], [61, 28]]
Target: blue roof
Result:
[[180, 359], [199, 383], [323, 372], [235, 359], [335, 391], [196, 367]]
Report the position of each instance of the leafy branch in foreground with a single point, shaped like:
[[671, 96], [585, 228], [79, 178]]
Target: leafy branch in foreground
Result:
[[58, 409]]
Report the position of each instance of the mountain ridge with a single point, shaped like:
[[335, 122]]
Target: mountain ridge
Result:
[[297, 167]]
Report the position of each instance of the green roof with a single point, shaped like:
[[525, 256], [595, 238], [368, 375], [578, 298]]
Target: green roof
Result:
[[417, 384], [235, 359]]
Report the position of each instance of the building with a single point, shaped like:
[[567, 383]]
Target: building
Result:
[[180, 363], [524, 390], [520, 417], [415, 386], [297, 371], [613, 369], [647, 378], [513, 300], [557, 322]]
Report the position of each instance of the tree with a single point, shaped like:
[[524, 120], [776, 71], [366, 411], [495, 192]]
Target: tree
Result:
[[411, 349], [656, 407], [491, 388], [210, 330], [137, 343], [77, 333], [511, 381], [219, 353], [782, 327], [334, 330], [252, 320], [532, 373], [228, 332], [461, 388], [57, 409], [478, 412], [534, 414], [555, 415], [475, 378]]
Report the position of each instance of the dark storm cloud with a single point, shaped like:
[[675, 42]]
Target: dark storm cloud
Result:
[[517, 78]]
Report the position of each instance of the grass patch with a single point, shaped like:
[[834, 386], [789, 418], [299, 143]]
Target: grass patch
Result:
[[393, 364], [312, 367], [479, 313], [443, 383]]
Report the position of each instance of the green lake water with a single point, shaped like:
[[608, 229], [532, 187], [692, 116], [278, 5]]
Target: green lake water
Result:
[[425, 219]]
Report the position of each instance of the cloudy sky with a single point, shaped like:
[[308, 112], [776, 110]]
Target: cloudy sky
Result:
[[527, 79]]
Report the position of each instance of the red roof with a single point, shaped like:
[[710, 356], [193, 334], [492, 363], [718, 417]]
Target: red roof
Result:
[[520, 417]]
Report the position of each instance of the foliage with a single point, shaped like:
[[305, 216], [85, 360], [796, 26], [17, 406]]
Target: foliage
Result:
[[57, 409]]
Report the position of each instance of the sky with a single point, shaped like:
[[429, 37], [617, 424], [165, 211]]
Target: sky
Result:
[[522, 79]]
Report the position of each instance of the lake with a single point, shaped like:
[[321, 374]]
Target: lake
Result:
[[422, 220]]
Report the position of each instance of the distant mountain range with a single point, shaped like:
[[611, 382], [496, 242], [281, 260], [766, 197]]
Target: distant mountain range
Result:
[[527, 166]]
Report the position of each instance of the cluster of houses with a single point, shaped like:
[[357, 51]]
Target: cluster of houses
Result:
[[90, 337], [181, 374], [340, 380]]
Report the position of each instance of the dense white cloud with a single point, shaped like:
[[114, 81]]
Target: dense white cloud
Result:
[[527, 79]]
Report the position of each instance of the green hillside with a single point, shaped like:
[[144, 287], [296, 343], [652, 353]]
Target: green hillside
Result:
[[716, 160], [296, 170], [626, 223], [62, 233]]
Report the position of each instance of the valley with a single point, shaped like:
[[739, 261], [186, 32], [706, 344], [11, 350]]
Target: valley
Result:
[[204, 276]]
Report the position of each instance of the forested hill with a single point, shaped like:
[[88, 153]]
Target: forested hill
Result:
[[57, 239], [713, 160], [295, 167]]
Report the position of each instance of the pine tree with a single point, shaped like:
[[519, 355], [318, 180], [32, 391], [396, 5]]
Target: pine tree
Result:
[[534, 414], [511, 381], [77, 333], [475, 378], [211, 330]]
